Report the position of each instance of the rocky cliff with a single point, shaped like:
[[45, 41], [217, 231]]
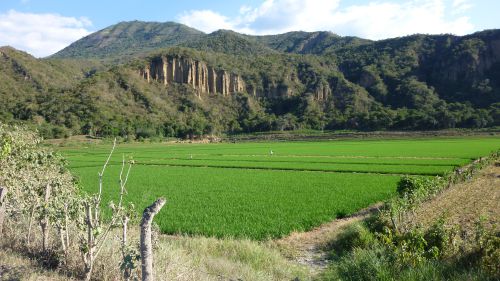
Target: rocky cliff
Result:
[[203, 78], [470, 60]]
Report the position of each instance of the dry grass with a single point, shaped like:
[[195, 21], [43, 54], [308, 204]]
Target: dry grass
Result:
[[464, 203], [179, 258], [17, 267]]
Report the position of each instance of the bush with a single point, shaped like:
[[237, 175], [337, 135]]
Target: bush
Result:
[[490, 250], [373, 263], [355, 236], [419, 187], [441, 240]]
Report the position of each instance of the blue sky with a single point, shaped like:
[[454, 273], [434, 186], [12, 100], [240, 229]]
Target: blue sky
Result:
[[42, 27]]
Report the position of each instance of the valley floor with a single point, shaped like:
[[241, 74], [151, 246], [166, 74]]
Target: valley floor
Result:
[[299, 255]]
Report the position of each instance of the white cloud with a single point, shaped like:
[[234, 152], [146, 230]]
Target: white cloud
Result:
[[205, 20], [40, 34], [377, 19], [461, 6], [384, 20]]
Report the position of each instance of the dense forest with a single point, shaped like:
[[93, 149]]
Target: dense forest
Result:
[[292, 81]]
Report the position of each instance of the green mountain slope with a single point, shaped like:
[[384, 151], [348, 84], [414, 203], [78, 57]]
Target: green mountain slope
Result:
[[320, 42], [228, 42], [25, 79], [152, 79], [458, 69], [127, 39]]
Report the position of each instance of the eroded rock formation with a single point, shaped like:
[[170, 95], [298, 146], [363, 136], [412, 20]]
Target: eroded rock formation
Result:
[[323, 92], [206, 79], [202, 77]]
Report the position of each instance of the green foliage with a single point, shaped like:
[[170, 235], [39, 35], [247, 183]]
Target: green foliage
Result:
[[409, 185], [377, 263], [38, 184], [309, 42], [416, 246], [372, 263], [6, 146], [355, 236], [488, 248], [491, 254], [410, 83], [228, 42]]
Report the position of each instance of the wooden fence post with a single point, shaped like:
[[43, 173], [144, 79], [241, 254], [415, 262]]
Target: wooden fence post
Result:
[[146, 244], [45, 223], [3, 193]]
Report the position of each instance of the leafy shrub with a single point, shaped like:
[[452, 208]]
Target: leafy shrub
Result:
[[409, 185], [441, 239], [373, 263], [355, 236], [490, 261], [488, 244]]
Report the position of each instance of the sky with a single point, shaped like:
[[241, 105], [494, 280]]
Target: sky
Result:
[[43, 27]]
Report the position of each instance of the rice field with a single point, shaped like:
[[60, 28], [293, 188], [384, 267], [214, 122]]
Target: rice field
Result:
[[268, 189]]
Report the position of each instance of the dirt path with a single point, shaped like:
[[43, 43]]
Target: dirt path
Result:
[[308, 248]]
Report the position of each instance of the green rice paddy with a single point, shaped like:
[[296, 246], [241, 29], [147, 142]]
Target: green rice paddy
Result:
[[244, 190]]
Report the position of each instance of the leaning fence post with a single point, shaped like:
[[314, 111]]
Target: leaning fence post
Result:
[[45, 223], [3, 193], [146, 245]]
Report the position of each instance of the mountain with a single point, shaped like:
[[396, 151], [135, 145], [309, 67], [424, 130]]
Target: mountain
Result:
[[25, 80], [459, 69], [126, 40], [320, 42], [228, 42], [129, 39], [141, 79]]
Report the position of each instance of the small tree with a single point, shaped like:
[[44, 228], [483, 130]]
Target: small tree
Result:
[[36, 178], [95, 237]]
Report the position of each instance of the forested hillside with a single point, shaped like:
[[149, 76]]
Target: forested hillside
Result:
[[140, 79]]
